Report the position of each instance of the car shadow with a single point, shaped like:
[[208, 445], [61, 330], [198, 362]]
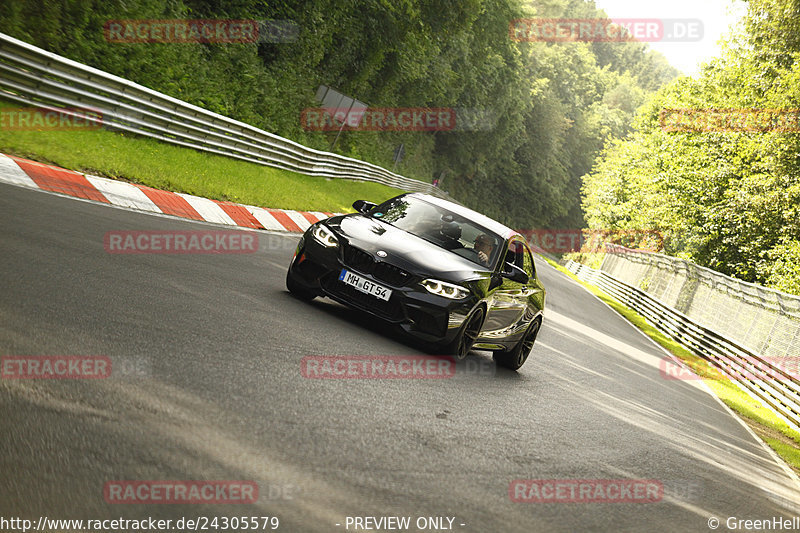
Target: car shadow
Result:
[[478, 363]]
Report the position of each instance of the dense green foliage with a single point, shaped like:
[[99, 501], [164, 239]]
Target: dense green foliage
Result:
[[555, 105], [729, 200]]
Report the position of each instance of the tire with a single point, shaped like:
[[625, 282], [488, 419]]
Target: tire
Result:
[[462, 344], [298, 290], [514, 358]]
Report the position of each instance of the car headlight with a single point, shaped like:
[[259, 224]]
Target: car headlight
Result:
[[325, 236], [448, 290]]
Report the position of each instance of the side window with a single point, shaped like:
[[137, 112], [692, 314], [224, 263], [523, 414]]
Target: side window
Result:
[[515, 254], [510, 255], [529, 267]]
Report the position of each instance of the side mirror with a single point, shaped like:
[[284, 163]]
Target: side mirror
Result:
[[363, 206], [515, 273]]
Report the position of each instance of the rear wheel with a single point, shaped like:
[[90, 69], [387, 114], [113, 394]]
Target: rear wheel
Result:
[[462, 344], [297, 289], [516, 356]]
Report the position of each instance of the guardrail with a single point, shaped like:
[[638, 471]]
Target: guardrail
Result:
[[33, 76], [758, 376], [766, 321]]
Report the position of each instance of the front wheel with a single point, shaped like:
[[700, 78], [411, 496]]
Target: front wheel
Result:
[[462, 344], [515, 357], [297, 289]]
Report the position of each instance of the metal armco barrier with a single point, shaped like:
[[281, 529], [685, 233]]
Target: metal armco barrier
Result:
[[32, 76], [765, 321], [770, 383]]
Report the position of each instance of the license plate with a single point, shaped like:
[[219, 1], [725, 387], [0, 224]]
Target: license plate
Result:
[[364, 285]]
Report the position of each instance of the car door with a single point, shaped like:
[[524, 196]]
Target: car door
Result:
[[507, 303]]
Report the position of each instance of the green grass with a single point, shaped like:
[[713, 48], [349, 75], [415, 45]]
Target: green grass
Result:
[[173, 168], [774, 431], [790, 454]]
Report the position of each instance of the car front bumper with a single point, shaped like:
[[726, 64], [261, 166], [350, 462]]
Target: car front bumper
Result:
[[421, 314]]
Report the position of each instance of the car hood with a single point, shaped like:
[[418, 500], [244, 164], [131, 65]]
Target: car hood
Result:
[[405, 250]]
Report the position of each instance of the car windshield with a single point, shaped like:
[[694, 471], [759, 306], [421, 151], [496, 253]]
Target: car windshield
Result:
[[441, 227]]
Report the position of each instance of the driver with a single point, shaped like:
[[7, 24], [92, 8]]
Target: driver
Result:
[[484, 246]]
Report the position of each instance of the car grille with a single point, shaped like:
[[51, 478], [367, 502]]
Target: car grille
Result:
[[359, 260], [363, 262], [390, 310], [391, 274]]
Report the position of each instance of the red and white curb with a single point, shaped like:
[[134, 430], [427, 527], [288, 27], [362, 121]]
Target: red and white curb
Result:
[[25, 173]]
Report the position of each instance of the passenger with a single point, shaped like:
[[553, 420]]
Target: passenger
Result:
[[484, 247]]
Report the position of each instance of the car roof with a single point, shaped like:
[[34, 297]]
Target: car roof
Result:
[[483, 220]]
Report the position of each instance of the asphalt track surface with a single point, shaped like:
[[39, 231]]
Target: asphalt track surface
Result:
[[208, 386]]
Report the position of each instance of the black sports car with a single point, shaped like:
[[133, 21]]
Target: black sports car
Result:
[[443, 273]]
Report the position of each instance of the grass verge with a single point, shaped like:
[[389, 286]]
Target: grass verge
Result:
[[174, 168], [774, 431]]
